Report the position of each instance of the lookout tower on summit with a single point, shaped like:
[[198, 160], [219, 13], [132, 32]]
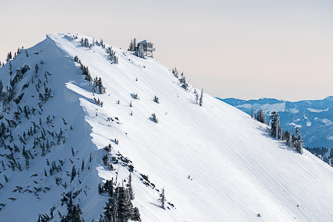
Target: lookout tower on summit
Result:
[[142, 49], [148, 48]]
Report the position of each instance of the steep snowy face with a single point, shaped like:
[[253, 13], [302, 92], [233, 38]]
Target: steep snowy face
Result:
[[79, 117]]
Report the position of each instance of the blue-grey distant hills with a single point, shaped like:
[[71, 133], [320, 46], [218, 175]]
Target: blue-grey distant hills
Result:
[[313, 117]]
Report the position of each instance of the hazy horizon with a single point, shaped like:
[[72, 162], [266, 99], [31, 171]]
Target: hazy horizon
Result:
[[240, 49]]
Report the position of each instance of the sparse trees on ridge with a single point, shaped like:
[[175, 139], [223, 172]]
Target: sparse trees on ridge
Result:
[[293, 141], [112, 56], [98, 86], [261, 116], [132, 47]]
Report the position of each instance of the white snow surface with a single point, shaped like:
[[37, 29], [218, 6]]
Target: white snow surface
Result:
[[318, 110], [237, 169], [267, 108], [324, 120]]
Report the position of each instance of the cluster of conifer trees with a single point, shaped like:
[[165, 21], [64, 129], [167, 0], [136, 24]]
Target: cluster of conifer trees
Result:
[[137, 48], [119, 206], [277, 132]]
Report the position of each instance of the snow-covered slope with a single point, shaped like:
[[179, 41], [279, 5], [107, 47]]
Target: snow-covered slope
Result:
[[214, 162]]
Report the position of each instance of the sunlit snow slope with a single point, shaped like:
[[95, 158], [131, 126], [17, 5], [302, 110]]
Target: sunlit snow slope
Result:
[[214, 162]]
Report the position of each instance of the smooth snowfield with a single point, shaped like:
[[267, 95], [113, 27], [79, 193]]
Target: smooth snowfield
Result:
[[215, 162]]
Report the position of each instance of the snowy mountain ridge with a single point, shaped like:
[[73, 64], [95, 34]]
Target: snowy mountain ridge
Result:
[[214, 162]]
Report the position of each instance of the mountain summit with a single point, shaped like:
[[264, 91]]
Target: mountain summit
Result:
[[88, 129]]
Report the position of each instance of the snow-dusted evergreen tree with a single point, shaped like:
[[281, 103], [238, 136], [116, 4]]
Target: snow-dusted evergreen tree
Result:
[[129, 187], [73, 211], [154, 118], [36, 70], [125, 207], [196, 96], [139, 52], [201, 98], [112, 56], [183, 82], [287, 136], [299, 141], [175, 72], [261, 116], [9, 56], [10, 68], [119, 207], [275, 124], [162, 198], [132, 46], [252, 112], [156, 100], [98, 86], [280, 133]]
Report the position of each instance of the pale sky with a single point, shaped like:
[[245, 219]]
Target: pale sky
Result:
[[246, 49]]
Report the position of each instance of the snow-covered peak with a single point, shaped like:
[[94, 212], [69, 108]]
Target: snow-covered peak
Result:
[[214, 162]]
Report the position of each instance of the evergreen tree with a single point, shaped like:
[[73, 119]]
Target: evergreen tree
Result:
[[261, 116], [110, 210], [139, 52], [154, 118], [10, 68], [9, 56], [201, 98], [36, 69], [162, 199], [73, 211], [299, 141], [252, 112], [73, 174], [125, 207], [156, 99], [119, 207], [129, 187], [275, 125], [280, 133], [175, 72], [288, 138], [98, 86]]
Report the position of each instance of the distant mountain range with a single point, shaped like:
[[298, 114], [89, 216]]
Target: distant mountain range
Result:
[[313, 117]]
